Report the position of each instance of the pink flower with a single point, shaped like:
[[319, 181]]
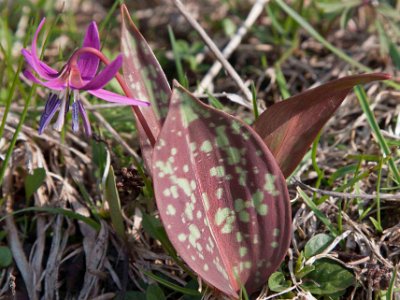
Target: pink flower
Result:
[[78, 74]]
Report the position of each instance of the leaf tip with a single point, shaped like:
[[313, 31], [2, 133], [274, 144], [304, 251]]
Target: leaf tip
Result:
[[176, 84]]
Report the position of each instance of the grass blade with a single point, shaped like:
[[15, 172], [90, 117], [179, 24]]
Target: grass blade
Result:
[[317, 212], [112, 197], [362, 98]]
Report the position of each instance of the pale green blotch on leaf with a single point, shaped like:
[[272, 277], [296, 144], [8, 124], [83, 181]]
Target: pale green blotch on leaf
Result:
[[187, 112], [242, 251], [193, 184], [174, 191], [233, 155], [189, 207], [166, 192], [217, 171], [239, 236], [182, 237], [270, 185], [194, 234], [244, 216], [242, 175], [247, 264], [206, 146], [222, 139], [183, 183], [171, 210], [276, 232], [274, 245], [236, 127], [261, 208], [239, 205], [164, 167], [226, 217]]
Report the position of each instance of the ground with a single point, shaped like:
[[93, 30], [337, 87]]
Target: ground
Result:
[[64, 235]]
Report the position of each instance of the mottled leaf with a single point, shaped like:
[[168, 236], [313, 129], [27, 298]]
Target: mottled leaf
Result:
[[221, 195], [289, 127], [145, 79]]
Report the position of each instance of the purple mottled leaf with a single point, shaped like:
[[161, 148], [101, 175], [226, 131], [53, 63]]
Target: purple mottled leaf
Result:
[[289, 127], [221, 195], [145, 79]]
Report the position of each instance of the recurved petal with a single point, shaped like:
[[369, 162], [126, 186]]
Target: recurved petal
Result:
[[54, 84], [116, 98], [104, 76], [88, 63], [36, 64], [52, 104], [28, 57]]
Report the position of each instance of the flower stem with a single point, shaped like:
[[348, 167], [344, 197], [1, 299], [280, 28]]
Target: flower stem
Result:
[[124, 87]]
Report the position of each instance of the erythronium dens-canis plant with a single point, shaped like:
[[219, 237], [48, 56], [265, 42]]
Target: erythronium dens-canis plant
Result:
[[220, 190], [80, 73]]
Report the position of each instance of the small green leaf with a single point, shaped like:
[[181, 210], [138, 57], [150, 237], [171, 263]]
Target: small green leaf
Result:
[[154, 292], [135, 295], [328, 278], [317, 244], [278, 283], [5, 257], [34, 181], [376, 224]]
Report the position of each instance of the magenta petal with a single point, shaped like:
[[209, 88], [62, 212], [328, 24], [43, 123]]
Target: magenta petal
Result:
[[116, 98], [28, 57], [36, 63], [88, 63], [54, 84], [104, 76]]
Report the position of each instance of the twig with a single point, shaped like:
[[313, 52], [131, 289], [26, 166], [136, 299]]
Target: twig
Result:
[[253, 15], [388, 197], [228, 67]]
